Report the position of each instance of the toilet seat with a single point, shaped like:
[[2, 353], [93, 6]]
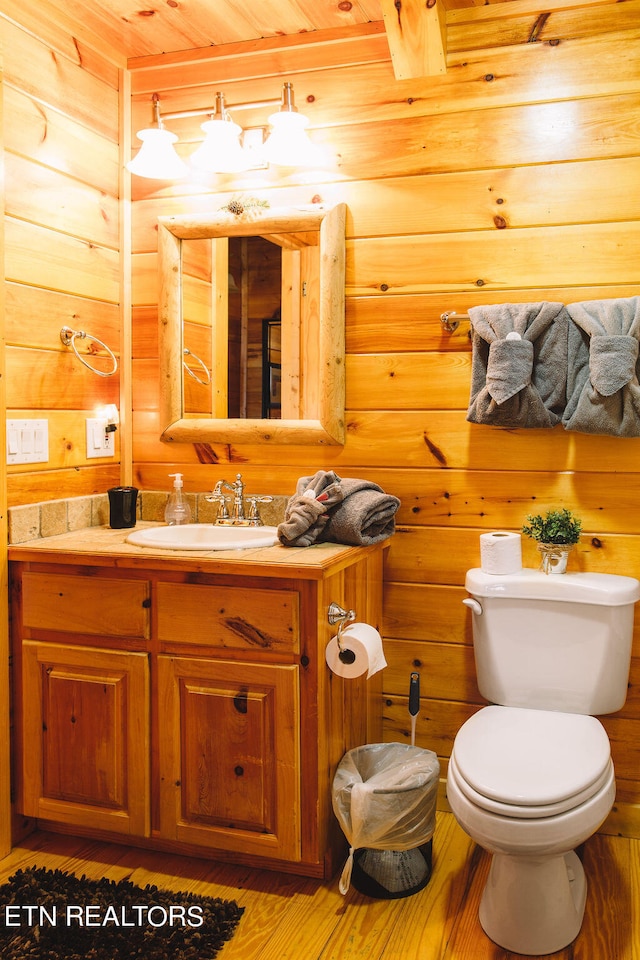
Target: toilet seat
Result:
[[528, 764]]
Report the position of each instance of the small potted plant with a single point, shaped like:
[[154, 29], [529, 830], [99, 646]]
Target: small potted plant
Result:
[[556, 533]]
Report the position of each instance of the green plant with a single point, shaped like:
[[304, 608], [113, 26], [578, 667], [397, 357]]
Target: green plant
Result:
[[556, 526]]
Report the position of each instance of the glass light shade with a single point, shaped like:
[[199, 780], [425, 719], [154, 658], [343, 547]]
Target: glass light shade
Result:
[[110, 414], [156, 158], [220, 151], [288, 144]]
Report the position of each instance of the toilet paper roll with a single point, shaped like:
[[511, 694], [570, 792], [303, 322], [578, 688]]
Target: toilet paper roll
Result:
[[501, 552], [364, 646]]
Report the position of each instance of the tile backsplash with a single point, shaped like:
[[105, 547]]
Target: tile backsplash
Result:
[[51, 517]]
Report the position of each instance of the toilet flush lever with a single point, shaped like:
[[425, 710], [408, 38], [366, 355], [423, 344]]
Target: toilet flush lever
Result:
[[473, 604]]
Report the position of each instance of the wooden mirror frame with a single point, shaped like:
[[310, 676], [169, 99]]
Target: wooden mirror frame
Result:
[[321, 385]]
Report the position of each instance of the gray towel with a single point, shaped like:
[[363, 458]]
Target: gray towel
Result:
[[603, 393], [306, 512], [518, 369], [330, 509], [365, 515]]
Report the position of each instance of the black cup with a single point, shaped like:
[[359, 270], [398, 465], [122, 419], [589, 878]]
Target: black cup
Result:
[[122, 507]]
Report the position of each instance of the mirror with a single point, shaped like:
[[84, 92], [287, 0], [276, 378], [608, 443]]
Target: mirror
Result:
[[302, 379]]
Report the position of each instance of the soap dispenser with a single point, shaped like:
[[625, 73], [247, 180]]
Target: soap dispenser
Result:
[[177, 510]]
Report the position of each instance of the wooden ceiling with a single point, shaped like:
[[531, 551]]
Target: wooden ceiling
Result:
[[140, 28]]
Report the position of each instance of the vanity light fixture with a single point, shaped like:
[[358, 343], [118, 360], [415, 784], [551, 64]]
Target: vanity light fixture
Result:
[[226, 148], [288, 144], [221, 150], [157, 158]]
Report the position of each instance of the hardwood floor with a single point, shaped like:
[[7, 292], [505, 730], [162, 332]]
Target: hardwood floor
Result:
[[292, 918]]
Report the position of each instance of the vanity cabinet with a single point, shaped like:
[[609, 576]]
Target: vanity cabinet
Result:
[[184, 701]]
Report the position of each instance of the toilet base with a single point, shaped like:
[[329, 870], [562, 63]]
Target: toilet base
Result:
[[533, 905]]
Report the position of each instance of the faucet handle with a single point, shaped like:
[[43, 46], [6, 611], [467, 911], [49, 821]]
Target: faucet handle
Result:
[[221, 500], [253, 514]]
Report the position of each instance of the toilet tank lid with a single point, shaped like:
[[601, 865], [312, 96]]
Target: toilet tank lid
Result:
[[605, 589]]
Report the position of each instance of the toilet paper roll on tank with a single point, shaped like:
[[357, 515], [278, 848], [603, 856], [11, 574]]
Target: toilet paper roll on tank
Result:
[[501, 552]]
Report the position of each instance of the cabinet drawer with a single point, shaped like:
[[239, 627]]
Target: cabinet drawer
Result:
[[90, 605], [240, 618]]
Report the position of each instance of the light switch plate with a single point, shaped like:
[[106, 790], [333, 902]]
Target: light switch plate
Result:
[[99, 442], [27, 441]]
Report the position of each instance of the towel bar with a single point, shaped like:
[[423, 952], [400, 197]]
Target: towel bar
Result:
[[452, 325]]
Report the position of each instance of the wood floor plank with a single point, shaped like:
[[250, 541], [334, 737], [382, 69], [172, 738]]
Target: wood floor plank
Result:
[[365, 928], [426, 921], [607, 929], [276, 918], [290, 918], [309, 922]]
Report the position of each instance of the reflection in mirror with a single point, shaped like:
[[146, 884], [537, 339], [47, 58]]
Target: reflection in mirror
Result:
[[254, 292], [255, 267], [259, 303], [271, 364]]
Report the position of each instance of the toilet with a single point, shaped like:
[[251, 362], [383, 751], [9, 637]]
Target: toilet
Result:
[[531, 776]]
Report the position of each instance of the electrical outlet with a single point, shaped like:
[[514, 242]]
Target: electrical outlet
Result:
[[99, 442]]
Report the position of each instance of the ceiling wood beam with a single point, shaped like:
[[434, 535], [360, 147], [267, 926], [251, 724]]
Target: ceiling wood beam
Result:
[[417, 36]]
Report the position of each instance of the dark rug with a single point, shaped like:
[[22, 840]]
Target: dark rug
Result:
[[51, 915]]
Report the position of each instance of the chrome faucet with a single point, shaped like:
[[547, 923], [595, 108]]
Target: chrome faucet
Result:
[[238, 517]]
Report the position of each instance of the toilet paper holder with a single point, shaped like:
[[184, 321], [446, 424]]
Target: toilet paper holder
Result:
[[337, 614]]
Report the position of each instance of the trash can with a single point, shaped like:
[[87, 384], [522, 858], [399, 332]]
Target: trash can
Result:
[[384, 797]]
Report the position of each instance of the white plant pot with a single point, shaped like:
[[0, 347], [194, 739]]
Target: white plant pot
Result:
[[554, 557]]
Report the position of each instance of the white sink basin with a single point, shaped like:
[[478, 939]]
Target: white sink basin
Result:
[[204, 536]]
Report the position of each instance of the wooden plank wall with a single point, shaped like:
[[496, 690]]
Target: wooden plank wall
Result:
[[5, 749], [512, 178], [62, 263]]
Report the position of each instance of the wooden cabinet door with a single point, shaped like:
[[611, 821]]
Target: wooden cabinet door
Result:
[[229, 755], [85, 735]]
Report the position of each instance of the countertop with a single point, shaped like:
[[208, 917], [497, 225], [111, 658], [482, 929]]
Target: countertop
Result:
[[102, 546]]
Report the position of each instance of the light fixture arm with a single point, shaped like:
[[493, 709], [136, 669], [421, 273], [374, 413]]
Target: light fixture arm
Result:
[[157, 119], [287, 101], [209, 111]]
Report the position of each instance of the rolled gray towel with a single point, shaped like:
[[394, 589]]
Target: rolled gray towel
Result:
[[365, 515]]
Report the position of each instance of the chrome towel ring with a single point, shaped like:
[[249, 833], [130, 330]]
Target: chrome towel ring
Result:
[[190, 353], [68, 337]]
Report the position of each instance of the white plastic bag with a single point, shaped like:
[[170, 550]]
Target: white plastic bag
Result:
[[384, 797]]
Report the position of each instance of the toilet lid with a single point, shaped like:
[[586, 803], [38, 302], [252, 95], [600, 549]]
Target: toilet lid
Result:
[[530, 758]]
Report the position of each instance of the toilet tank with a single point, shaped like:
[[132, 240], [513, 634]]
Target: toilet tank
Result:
[[553, 642]]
